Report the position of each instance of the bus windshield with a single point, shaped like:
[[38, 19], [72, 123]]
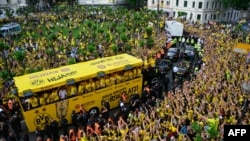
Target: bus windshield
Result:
[[55, 93]]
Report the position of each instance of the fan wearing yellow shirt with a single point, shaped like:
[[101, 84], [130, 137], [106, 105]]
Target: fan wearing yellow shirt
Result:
[[124, 130], [130, 75], [108, 81], [138, 72], [42, 100], [102, 82], [81, 87], [125, 76], [92, 84], [112, 79], [118, 78], [97, 84], [88, 87], [73, 90], [134, 73], [33, 101], [54, 96]]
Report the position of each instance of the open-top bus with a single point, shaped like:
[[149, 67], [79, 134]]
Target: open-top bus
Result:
[[87, 84]]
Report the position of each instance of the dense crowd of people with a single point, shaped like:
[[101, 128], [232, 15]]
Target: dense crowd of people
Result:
[[195, 109]]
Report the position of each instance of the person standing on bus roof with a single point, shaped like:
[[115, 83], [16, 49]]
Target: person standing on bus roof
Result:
[[62, 93]]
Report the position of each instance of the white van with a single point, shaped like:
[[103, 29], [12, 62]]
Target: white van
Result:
[[10, 29], [174, 28]]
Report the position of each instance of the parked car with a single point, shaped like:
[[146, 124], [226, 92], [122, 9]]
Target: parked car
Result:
[[164, 64], [173, 54], [10, 29], [184, 68], [189, 51]]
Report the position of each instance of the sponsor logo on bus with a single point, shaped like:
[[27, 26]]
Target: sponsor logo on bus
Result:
[[43, 74], [61, 76], [101, 66], [65, 69], [117, 94], [89, 103], [37, 82], [41, 119]]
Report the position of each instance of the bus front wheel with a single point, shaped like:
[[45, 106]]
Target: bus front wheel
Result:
[[94, 111]]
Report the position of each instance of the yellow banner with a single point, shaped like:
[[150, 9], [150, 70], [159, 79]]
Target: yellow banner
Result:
[[39, 116], [242, 48], [53, 78]]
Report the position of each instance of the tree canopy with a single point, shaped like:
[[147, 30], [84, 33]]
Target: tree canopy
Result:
[[236, 4]]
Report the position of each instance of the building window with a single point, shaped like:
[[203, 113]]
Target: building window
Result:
[[213, 5], [193, 4], [207, 5], [219, 4], [214, 17], [167, 2], [198, 16], [177, 3], [153, 2], [185, 3], [224, 15], [205, 17], [162, 3], [200, 5]]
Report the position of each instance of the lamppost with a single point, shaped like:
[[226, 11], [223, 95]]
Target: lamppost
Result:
[[218, 14], [191, 16], [158, 7]]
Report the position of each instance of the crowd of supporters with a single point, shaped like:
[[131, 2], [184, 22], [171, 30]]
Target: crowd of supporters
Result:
[[196, 110]]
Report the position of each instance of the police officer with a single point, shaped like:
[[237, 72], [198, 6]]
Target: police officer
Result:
[[192, 41], [64, 125], [196, 70], [247, 40], [54, 128], [187, 41]]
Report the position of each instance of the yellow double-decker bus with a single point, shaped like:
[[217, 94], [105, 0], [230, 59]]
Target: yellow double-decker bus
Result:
[[55, 93]]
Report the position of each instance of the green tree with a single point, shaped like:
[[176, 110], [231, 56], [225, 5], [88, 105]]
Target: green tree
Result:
[[9, 13], [4, 74], [150, 42], [149, 31], [20, 57], [71, 61], [236, 4], [142, 43], [3, 48], [53, 38], [91, 48], [115, 49]]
